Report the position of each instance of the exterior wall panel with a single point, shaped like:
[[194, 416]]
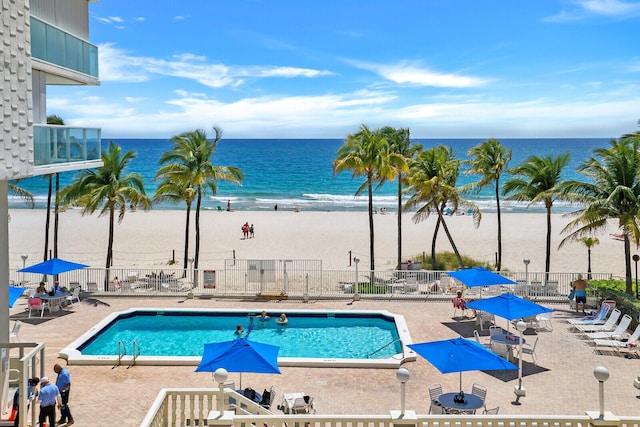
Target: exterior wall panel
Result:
[[69, 15], [16, 120]]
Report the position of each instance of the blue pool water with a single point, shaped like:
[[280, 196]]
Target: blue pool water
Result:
[[344, 335]]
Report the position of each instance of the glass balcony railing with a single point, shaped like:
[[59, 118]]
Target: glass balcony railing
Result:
[[53, 45], [65, 144]]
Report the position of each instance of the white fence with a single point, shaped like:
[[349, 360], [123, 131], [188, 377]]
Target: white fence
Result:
[[298, 279]]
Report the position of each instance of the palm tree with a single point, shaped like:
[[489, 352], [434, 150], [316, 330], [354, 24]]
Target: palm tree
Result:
[[538, 179], [22, 193], [190, 164], [107, 189], [367, 153], [589, 242], [177, 191], [490, 160], [432, 186], [613, 192], [400, 143]]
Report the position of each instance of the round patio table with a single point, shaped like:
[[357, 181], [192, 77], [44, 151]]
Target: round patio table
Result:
[[471, 403]]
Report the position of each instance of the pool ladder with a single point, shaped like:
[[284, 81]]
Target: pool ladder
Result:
[[122, 352]]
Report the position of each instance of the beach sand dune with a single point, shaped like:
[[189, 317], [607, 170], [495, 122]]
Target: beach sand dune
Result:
[[150, 239]]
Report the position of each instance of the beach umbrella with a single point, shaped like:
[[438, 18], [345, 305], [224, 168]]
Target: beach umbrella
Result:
[[508, 306], [240, 355], [53, 267], [480, 276], [15, 293], [460, 355]]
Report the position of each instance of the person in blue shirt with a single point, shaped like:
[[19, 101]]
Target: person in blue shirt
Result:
[[31, 391], [63, 382], [49, 397]]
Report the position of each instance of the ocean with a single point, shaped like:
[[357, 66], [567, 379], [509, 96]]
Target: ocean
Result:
[[297, 173]]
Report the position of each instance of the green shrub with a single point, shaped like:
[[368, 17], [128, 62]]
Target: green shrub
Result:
[[447, 261]]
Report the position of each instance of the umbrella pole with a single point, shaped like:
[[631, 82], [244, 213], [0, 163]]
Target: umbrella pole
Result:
[[460, 381]]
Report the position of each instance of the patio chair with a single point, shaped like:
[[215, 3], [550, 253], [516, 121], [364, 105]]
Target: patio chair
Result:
[[544, 321], [15, 331], [617, 333], [480, 391], [609, 325], [458, 305], [482, 318], [492, 411], [477, 336], [303, 405], [75, 295], [437, 408], [530, 350], [435, 391], [616, 344], [36, 304], [267, 397]]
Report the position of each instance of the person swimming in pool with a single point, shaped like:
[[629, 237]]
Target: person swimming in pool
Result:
[[239, 329], [282, 320], [263, 316]]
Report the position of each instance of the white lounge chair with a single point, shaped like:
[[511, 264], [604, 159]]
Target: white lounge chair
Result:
[[598, 318], [609, 325], [15, 332], [303, 405], [617, 333], [75, 295], [631, 342]]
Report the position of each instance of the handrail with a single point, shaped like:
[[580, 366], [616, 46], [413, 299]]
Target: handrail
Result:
[[135, 352], [384, 346], [122, 353]]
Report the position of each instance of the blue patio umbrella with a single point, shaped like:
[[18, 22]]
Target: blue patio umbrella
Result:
[[240, 355], [508, 306], [53, 266], [480, 276], [460, 355], [15, 293]]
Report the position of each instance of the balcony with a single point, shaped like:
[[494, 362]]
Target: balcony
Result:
[[64, 148], [55, 46]]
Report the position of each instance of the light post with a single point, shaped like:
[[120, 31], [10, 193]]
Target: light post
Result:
[[220, 376], [526, 269], [191, 261], [25, 256], [403, 375], [602, 374], [520, 391], [636, 258], [356, 260]]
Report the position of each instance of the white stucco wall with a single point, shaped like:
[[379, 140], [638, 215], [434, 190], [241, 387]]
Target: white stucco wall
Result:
[[16, 121]]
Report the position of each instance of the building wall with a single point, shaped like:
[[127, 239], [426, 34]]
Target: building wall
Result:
[[70, 15], [16, 120]]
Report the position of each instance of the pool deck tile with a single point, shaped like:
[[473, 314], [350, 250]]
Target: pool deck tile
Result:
[[562, 383]]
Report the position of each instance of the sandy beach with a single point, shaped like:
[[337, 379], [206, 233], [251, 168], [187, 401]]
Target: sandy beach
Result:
[[148, 239]]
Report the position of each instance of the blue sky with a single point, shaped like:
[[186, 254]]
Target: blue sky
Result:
[[321, 68]]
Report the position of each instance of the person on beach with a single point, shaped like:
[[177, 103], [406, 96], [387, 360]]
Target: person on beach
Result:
[[49, 398], [63, 382], [580, 287], [275, 208], [251, 232], [282, 320], [228, 205], [239, 329], [245, 230]]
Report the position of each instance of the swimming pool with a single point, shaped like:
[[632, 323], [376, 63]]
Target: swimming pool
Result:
[[316, 338]]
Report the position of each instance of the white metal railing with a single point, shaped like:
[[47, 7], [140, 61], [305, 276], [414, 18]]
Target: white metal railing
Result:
[[180, 407], [298, 279]]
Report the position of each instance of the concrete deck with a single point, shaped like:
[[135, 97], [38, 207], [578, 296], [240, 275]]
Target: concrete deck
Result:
[[562, 383]]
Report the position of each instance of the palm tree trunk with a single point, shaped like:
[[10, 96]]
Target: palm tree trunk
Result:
[[453, 245], [55, 218], [588, 263], [547, 263], [627, 265], [112, 211], [434, 264], [186, 239], [197, 248], [371, 235], [399, 220], [48, 220], [499, 264]]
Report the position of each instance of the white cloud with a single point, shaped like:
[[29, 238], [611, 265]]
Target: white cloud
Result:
[[411, 74], [118, 65], [608, 8]]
